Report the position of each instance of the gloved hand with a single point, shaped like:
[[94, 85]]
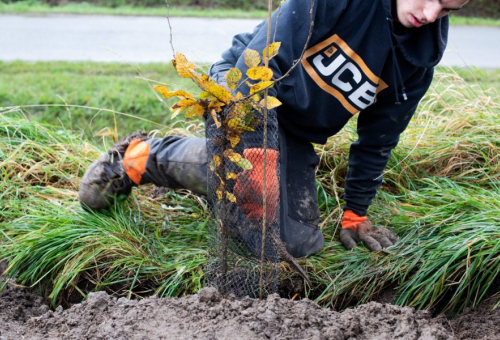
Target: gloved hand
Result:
[[356, 228], [249, 185]]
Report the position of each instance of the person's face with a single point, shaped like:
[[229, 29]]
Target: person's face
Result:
[[416, 13]]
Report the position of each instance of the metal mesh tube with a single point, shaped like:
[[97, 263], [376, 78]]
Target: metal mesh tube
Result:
[[243, 255]]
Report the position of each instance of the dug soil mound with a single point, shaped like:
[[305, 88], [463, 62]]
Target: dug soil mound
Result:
[[207, 316], [17, 308], [480, 323]]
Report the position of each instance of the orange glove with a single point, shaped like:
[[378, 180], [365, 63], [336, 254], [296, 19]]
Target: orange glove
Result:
[[350, 220], [356, 228], [249, 185]]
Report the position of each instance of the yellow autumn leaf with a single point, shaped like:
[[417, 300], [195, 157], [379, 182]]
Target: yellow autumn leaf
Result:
[[233, 156], [219, 92], [217, 160], [180, 106], [234, 123], [165, 92], [239, 95], [238, 159], [231, 175], [184, 103], [216, 105], [252, 57], [230, 197], [203, 83], [219, 194], [244, 164], [185, 68], [273, 50], [221, 183], [195, 110], [255, 99], [238, 123], [214, 117], [239, 110], [272, 102], [254, 88], [207, 96], [233, 77], [259, 73], [234, 140]]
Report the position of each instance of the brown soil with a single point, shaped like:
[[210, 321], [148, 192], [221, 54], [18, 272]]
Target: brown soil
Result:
[[3, 266], [207, 316], [480, 323], [25, 315]]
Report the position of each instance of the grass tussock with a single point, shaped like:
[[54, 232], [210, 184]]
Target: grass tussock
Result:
[[137, 248], [441, 195]]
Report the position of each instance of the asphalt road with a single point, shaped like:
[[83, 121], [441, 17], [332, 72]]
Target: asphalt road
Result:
[[147, 39]]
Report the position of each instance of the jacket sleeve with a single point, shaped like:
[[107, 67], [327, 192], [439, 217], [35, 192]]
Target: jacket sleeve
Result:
[[379, 128], [292, 30]]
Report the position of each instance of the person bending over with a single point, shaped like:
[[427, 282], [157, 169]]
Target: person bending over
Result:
[[373, 60]]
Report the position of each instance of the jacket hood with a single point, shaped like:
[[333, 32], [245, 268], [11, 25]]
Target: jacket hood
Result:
[[413, 43]]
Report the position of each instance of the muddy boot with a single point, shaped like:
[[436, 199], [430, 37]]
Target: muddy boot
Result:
[[106, 179]]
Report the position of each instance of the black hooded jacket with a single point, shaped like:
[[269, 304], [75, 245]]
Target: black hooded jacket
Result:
[[358, 62]]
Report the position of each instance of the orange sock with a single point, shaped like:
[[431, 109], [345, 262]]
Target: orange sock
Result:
[[350, 220], [135, 160]]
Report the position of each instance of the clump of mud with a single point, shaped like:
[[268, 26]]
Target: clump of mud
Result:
[[17, 307], [209, 316], [480, 323], [3, 266]]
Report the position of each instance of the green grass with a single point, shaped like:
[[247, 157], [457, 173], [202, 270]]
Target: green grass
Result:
[[456, 20], [138, 247], [441, 195], [45, 87], [34, 7]]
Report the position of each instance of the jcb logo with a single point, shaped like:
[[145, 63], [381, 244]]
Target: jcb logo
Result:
[[338, 70]]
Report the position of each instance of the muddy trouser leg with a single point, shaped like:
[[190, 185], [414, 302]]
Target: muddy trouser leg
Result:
[[181, 162], [177, 162], [299, 211]]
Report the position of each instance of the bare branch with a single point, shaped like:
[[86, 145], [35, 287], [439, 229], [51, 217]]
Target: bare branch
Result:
[[305, 46], [264, 146], [296, 62], [170, 28]]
